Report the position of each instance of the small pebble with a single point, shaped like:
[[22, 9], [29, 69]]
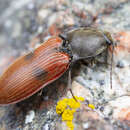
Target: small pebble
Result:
[[29, 117], [101, 82], [46, 98], [106, 118], [101, 108], [86, 101], [45, 127], [120, 64], [85, 125], [31, 6]]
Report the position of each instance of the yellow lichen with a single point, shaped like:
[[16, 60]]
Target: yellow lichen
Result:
[[61, 106], [67, 108], [68, 115], [91, 106], [73, 104], [70, 125]]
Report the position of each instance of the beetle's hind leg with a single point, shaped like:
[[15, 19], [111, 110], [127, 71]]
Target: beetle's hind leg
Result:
[[102, 59], [70, 84], [40, 92]]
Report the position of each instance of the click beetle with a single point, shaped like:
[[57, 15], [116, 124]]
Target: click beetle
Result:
[[35, 70]]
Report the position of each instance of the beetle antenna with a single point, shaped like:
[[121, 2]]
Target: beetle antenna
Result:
[[111, 65], [63, 37]]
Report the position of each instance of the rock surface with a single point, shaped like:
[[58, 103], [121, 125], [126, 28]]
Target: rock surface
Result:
[[26, 24]]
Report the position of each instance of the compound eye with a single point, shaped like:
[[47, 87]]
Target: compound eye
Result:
[[108, 38], [109, 43]]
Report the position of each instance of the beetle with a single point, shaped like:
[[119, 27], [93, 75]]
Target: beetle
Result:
[[35, 70]]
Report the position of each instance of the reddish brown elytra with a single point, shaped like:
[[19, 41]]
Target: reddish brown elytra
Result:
[[35, 70], [32, 71]]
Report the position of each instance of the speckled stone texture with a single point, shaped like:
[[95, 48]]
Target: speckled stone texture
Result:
[[25, 24]]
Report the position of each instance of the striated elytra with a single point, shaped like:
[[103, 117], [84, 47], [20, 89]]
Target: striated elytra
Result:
[[35, 70]]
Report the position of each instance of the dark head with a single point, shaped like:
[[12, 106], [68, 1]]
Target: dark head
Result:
[[88, 42]]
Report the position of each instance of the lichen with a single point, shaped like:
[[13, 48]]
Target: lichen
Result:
[[67, 107], [91, 106]]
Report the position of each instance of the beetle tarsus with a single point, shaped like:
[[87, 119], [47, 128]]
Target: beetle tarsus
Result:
[[72, 94], [69, 85]]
